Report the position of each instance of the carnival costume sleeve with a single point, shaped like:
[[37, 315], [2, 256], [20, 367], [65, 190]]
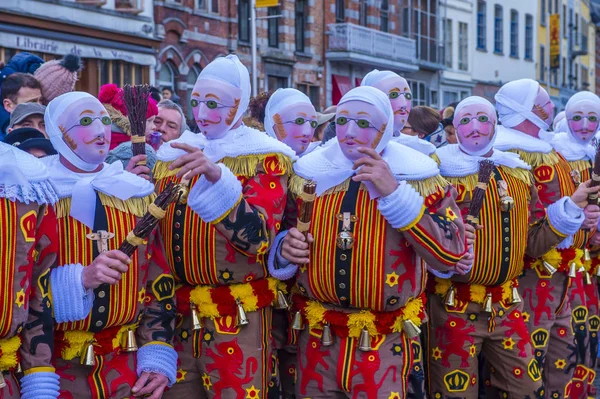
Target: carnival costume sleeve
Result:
[[247, 212], [155, 332], [70, 300], [40, 380]]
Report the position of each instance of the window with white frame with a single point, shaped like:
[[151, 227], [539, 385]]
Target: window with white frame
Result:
[[481, 25], [448, 43], [166, 76], [498, 30], [514, 33], [211, 6], [419, 93], [528, 37], [463, 46]]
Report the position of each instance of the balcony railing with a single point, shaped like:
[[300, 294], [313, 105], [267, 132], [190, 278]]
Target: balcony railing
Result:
[[358, 39]]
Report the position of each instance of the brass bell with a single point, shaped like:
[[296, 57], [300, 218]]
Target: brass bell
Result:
[[2, 382], [19, 369], [588, 279], [507, 203], [241, 319], [598, 271], [282, 302], [196, 321], [327, 337], [87, 355], [411, 329], [573, 270], [549, 268], [450, 297], [586, 255], [345, 240], [183, 191], [487, 305], [129, 343], [516, 297], [298, 323], [364, 344]]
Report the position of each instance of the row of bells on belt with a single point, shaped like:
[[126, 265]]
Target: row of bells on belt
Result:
[[240, 320], [364, 341], [487, 303], [128, 344]]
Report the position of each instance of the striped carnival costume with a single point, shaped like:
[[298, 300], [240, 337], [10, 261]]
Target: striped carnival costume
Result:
[[582, 116], [99, 330], [545, 281], [360, 299], [27, 251], [216, 245], [482, 312]]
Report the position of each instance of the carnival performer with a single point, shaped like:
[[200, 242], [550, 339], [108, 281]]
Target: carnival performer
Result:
[[582, 122], [217, 241], [105, 303], [28, 252], [481, 312], [525, 109], [360, 289], [400, 96]]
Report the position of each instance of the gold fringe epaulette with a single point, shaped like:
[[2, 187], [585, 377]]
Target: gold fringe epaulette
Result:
[[245, 165], [425, 187], [435, 157], [470, 181], [135, 206], [536, 159], [580, 165]]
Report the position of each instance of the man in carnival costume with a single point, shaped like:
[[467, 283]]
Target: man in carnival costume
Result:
[[218, 240], [481, 312], [525, 110], [28, 251], [104, 301], [581, 123], [400, 96], [360, 289]]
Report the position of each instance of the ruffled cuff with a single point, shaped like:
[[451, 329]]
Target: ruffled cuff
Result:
[[403, 207], [213, 201], [279, 267], [565, 216], [158, 357], [70, 300], [40, 384]]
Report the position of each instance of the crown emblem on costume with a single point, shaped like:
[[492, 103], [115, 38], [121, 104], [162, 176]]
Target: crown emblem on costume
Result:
[[163, 287], [226, 325], [539, 338], [580, 314], [534, 371], [544, 173], [594, 323], [580, 373], [456, 381], [434, 197], [416, 348]]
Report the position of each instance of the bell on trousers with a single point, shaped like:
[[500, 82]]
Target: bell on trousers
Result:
[[87, 356], [326, 338], [196, 322], [450, 296], [586, 255], [364, 344], [282, 302], [516, 298], [129, 343], [487, 305], [241, 319], [298, 323], [549, 268], [2, 382], [573, 270], [598, 272], [411, 329], [588, 279]]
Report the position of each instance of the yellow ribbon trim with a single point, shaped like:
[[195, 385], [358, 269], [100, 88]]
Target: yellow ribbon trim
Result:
[[134, 240], [42, 369], [315, 315], [414, 222], [478, 291], [205, 307], [9, 348], [156, 211], [76, 341], [138, 139]]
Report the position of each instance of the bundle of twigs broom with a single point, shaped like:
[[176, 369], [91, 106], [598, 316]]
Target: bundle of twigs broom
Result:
[[136, 101], [483, 178], [593, 198], [306, 206]]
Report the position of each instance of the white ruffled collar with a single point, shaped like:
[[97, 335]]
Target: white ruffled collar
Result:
[[327, 168], [414, 142], [237, 142], [510, 139], [571, 149], [455, 163]]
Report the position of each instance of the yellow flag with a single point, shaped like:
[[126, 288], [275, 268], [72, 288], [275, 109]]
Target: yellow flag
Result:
[[266, 3]]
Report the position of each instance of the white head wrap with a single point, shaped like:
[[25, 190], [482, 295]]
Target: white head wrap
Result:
[[328, 166], [278, 101], [565, 142], [492, 113], [231, 71], [376, 76], [514, 102], [57, 107], [557, 120]]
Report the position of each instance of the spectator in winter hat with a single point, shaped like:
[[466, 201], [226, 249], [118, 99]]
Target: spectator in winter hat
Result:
[[28, 115], [58, 76], [32, 141]]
